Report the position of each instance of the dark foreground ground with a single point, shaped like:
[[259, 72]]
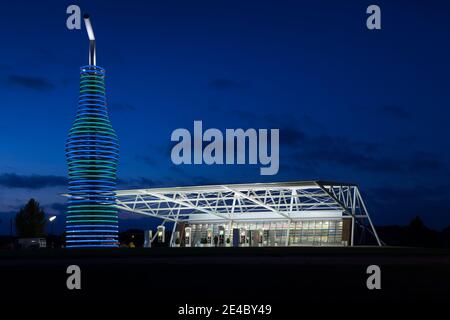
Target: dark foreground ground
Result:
[[167, 278]]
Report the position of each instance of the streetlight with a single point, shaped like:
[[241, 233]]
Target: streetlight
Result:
[[51, 219]]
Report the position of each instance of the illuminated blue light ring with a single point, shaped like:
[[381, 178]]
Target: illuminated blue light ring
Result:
[[105, 197], [92, 230], [95, 181], [93, 226], [104, 153], [82, 135], [75, 192], [92, 246], [77, 202], [90, 236], [102, 193], [93, 240]]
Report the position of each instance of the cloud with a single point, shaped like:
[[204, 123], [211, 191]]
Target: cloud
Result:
[[323, 149], [394, 194], [343, 152], [284, 120], [224, 84], [146, 159], [240, 114], [12, 180], [121, 106], [292, 137], [306, 169], [403, 202], [58, 207], [35, 83], [6, 217], [395, 112], [421, 161], [199, 180], [354, 157], [4, 66], [138, 183]]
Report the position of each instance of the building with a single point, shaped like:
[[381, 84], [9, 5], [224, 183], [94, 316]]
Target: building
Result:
[[303, 213], [31, 243], [92, 152], [309, 213]]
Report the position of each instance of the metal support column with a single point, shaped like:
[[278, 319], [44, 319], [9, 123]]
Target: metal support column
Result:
[[352, 236], [288, 233], [368, 218]]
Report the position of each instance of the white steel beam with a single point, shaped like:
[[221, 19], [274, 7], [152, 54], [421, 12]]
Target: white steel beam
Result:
[[243, 195]]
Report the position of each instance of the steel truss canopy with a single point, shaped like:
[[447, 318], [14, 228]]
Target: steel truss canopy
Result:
[[284, 201]]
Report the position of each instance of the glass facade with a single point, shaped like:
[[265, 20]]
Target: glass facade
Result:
[[268, 234]]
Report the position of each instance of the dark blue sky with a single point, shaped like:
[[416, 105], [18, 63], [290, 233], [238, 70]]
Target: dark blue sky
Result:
[[370, 107]]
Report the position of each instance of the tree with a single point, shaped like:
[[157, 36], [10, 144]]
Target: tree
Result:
[[418, 235], [30, 221]]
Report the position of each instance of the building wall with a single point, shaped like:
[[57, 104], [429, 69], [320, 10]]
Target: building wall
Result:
[[346, 230]]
